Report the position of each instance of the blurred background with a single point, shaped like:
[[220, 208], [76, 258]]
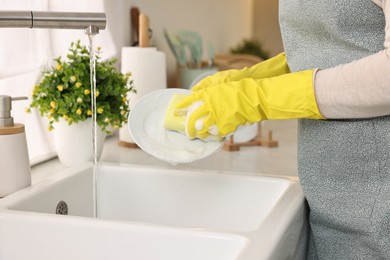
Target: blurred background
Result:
[[223, 24]]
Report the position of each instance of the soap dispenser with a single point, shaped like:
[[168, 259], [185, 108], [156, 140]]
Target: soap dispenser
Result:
[[15, 171]]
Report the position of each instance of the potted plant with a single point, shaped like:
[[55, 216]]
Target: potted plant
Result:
[[252, 47], [64, 96]]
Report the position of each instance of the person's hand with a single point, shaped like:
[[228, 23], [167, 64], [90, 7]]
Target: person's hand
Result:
[[214, 112], [269, 68]]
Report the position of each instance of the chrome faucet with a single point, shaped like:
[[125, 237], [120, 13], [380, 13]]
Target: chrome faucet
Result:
[[90, 22]]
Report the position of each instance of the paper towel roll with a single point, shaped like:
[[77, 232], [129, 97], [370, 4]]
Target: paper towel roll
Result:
[[148, 69]]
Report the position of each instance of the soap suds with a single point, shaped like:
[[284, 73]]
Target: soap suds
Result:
[[170, 146]]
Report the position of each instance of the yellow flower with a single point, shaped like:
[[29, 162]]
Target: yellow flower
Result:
[[78, 84], [87, 92], [89, 112], [107, 120], [53, 104], [79, 111], [50, 128], [73, 79], [52, 110], [115, 126], [79, 100], [35, 90], [60, 88], [27, 110], [97, 93], [58, 67], [124, 99], [100, 110], [65, 117], [123, 112], [99, 48]]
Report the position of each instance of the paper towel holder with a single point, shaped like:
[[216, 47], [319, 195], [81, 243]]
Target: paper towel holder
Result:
[[128, 144]]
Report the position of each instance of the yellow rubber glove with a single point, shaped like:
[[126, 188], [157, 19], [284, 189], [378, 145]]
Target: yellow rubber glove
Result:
[[217, 111], [269, 68]]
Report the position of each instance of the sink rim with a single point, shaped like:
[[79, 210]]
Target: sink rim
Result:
[[221, 239]]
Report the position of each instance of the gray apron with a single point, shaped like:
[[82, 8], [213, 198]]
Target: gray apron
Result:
[[343, 165]]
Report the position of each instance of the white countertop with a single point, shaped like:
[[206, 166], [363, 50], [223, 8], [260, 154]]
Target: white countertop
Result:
[[255, 159]]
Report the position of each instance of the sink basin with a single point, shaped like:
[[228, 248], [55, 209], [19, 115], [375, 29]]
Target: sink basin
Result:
[[189, 199], [155, 213]]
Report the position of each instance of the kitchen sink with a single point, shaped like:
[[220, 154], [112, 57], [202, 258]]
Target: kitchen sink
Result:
[[154, 213]]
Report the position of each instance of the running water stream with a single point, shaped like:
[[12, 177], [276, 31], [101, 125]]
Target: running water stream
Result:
[[94, 121]]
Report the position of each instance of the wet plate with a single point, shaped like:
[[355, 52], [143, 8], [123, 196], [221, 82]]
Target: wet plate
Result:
[[147, 130]]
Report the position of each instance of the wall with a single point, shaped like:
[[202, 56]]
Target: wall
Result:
[[222, 22], [266, 25]]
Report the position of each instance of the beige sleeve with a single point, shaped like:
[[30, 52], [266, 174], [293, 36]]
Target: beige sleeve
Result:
[[358, 89]]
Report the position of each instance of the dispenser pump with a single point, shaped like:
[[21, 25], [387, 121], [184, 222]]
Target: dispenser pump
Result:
[[6, 120]]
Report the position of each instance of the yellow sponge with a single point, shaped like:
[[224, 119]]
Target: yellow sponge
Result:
[[171, 121]]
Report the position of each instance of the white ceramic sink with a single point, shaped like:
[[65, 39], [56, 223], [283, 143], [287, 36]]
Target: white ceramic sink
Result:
[[151, 213]]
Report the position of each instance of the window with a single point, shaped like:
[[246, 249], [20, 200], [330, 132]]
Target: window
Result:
[[25, 53]]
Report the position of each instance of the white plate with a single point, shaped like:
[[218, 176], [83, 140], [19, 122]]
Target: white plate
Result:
[[147, 130]]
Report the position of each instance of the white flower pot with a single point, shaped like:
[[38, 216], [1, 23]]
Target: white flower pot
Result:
[[74, 143]]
